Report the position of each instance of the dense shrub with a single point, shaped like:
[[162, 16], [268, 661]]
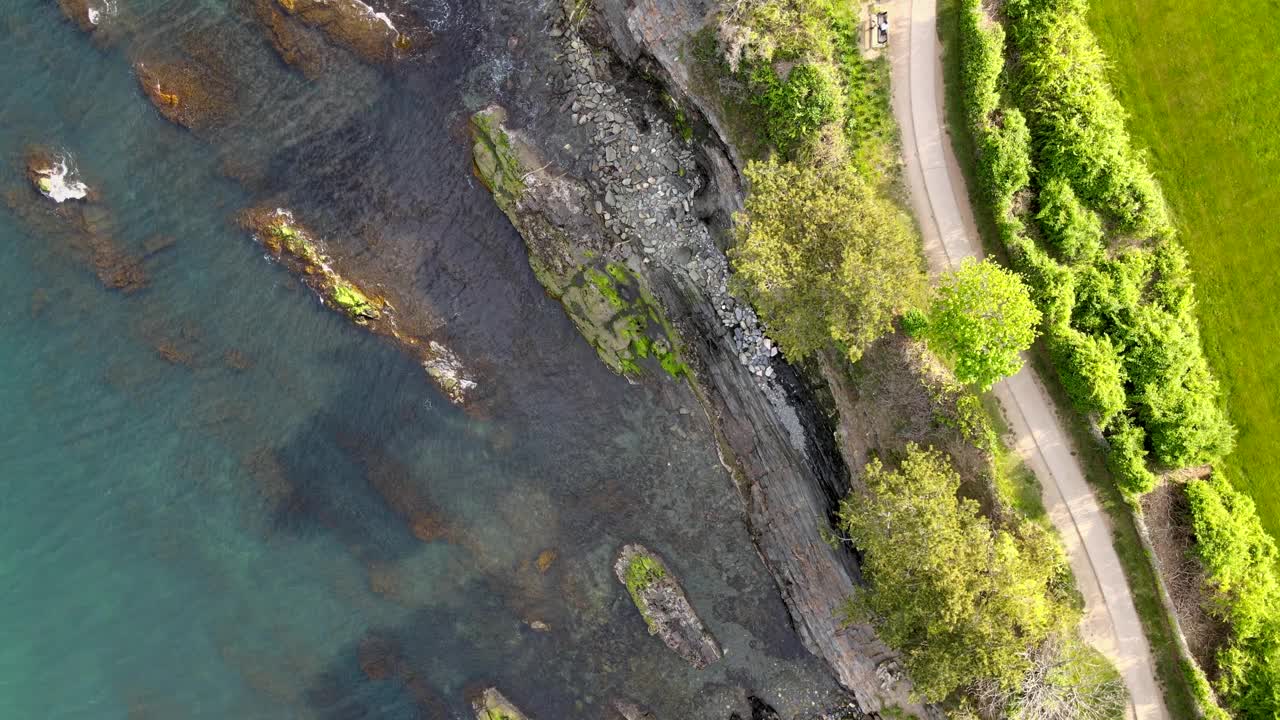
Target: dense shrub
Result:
[[1067, 680], [1077, 123], [777, 29], [1127, 458], [1174, 391], [1240, 559], [1120, 324], [1006, 166], [1074, 230], [823, 257], [982, 318], [1136, 304], [1171, 286], [1092, 372], [795, 107], [981, 65]]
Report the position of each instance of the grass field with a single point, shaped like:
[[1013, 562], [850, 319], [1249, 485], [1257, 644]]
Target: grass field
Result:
[[1201, 80]]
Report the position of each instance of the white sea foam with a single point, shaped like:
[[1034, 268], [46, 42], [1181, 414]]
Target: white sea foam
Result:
[[100, 10], [383, 17], [56, 184]]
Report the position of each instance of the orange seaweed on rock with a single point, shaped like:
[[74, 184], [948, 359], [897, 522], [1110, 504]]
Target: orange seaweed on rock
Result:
[[545, 559]]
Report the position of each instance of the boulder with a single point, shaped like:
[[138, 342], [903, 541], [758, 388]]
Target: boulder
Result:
[[663, 605]]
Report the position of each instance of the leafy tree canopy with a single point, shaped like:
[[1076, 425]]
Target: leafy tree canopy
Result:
[[964, 602], [982, 317], [824, 258]]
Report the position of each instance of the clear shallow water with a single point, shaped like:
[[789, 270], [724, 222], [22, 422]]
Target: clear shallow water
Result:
[[290, 520]]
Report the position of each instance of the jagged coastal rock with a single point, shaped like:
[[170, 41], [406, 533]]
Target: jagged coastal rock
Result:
[[298, 249], [87, 14], [663, 605], [492, 705], [74, 222]]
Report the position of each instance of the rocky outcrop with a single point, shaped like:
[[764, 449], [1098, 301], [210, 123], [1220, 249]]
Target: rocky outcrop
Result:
[[492, 705], [297, 248], [572, 252], [87, 14], [52, 175], [663, 605], [659, 34]]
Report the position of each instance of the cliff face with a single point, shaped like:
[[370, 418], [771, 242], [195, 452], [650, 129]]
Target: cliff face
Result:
[[646, 210], [790, 487]]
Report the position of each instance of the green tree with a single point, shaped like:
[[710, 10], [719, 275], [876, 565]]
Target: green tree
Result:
[[823, 258], [962, 601], [982, 317]]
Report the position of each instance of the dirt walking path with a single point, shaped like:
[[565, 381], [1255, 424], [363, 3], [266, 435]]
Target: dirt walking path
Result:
[[941, 203]]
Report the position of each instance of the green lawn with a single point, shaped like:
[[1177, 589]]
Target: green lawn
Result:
[[1201, 80]]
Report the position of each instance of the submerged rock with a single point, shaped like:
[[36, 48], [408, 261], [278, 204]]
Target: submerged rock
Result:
[[192, 94], [297, 249], [369, 33], [81, 228], [298, 45], [663, 605], [631, 711], [492, 705]]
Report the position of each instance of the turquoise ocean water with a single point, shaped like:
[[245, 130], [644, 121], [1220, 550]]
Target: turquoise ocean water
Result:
[[204, 483]]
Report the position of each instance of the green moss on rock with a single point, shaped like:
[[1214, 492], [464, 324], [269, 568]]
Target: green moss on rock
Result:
[[496, 162], [621, 320], [492, 705], [355, 303]]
